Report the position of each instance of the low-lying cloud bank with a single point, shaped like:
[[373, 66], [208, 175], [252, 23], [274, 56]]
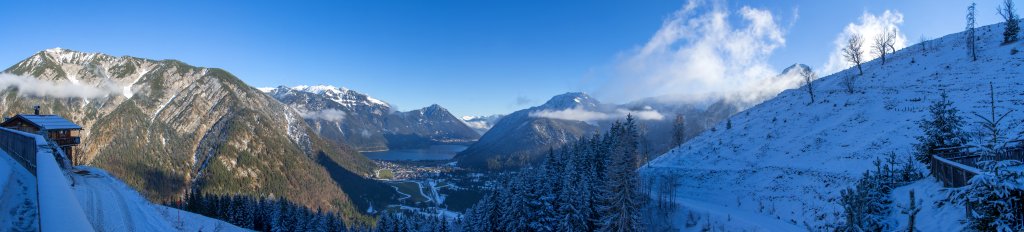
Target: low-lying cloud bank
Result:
[[581, 114], [29, 86]]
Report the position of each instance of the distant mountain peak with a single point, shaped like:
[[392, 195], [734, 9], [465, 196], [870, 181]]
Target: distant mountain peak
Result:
[[341, 95], [796, 67], [318, 89], [571, 100], [434, 107], [56, 50]]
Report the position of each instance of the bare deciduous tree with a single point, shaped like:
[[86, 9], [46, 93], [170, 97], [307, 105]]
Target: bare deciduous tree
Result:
[[678, 130], [849, 83], [809, 77], [885, 43], [853, 51]]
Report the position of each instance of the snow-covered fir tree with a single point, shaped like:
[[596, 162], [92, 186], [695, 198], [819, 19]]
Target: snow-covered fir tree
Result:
[[590, 185], [942, 129]]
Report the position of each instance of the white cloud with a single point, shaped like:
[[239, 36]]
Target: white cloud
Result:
[[326, 115], [29, 86], [580, 114], [870, 27], [699, 53]]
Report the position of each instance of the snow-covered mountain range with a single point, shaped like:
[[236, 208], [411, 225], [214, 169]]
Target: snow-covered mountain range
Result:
[[369, 124], [783, 163], [521, 137]]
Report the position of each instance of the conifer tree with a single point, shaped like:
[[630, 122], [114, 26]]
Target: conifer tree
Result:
[[971, 39], [1009, 14], [942, 129], [621, 196], [992, 127]]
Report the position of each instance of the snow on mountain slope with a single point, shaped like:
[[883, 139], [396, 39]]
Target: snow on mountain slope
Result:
[[342, 96], [787, 161], [110, 205], [481, 124], [369, 124]]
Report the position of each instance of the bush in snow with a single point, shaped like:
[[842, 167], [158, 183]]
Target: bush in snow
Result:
[[911, 211], [867, 204], [992, 199]]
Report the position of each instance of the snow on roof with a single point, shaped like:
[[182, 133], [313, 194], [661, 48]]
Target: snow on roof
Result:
[[48, 122]]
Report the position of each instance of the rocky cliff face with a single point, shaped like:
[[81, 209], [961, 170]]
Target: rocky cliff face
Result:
[[168, 128], [368, 124]]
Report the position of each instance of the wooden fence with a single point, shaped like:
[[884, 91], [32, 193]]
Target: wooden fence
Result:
[[955, 166]]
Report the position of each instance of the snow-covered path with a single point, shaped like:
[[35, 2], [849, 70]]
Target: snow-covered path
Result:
[[17, 197], [111, 205]]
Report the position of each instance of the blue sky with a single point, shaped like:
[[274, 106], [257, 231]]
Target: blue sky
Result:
[[472, 57]]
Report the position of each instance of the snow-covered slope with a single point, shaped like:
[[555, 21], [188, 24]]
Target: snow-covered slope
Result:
[[110, 205], [784, 162]]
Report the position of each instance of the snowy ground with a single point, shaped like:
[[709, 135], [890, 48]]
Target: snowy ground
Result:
[[785, 162], [18, 197], [111, 205], [937, 214]]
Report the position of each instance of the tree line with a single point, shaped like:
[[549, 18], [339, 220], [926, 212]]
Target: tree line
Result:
[[591, 185]]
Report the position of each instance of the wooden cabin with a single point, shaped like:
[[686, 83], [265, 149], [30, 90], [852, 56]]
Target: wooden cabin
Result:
[[61, 131]]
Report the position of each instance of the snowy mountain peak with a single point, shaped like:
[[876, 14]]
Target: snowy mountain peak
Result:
[[318, 89], [343, 96], [68, 56], [571, 100], [55, 50], [434, 107], [796, 68]]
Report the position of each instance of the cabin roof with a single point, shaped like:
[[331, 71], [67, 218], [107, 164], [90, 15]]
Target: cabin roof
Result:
[[47, 122]]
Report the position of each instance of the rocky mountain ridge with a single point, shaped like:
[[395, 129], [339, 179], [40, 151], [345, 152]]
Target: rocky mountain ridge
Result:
[[168, 128]]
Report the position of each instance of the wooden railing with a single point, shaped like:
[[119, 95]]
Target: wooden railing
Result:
[[955, 166]]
